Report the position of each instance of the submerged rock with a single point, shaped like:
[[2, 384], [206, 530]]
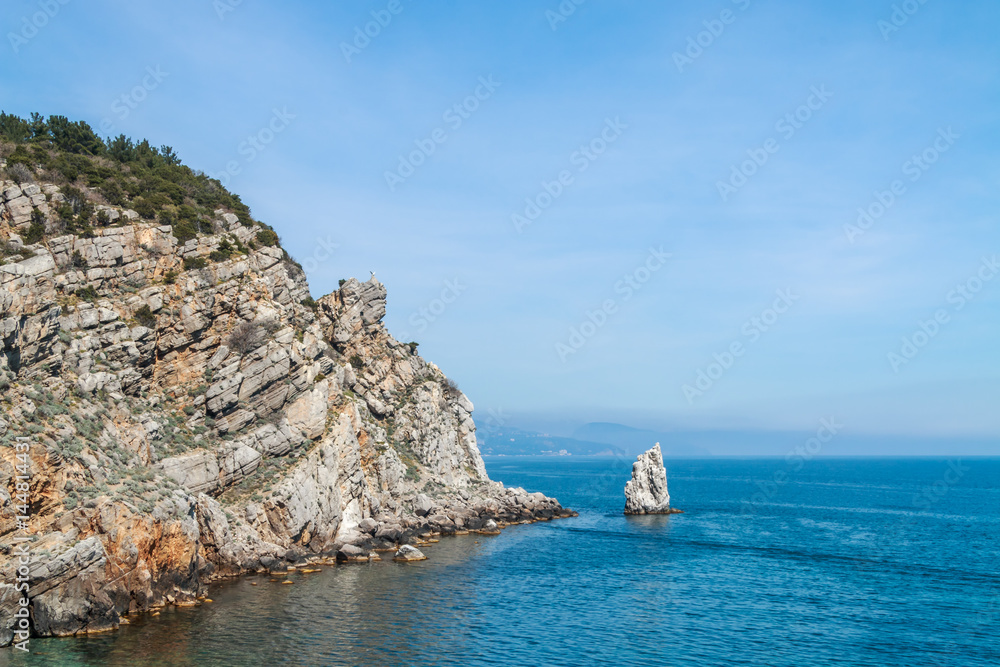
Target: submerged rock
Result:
[[646, 492], [408, 553]]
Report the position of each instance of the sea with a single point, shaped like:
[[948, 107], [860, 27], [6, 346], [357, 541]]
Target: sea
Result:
[[829, 561]]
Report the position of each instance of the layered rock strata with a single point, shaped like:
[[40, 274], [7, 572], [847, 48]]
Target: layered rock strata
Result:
[[190, 416]]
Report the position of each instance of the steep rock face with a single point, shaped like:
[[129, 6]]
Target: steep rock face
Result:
[[190, 414], [646, 492]]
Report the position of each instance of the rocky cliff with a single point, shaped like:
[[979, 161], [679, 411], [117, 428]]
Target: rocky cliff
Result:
[[190, 413]]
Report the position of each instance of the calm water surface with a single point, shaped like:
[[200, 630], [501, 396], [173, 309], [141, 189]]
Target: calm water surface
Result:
[[846, 562]]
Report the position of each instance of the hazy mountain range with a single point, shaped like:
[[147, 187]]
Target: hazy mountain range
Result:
[[609, 439]]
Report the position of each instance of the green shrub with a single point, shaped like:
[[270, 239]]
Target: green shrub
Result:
[[356, 361], [310, 302], [76, 137], [191, 263], [84, 215], [223, 252], [14, 128], [87, 293], [145, 316], [36, 231], [20, 156], [112, 192], [267, 237], [185, 230], [144, 208], [169, 277], [160, 199]]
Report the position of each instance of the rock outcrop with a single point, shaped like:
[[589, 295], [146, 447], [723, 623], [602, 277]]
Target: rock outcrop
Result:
[[646, 492], [186, 412], [407, 553]]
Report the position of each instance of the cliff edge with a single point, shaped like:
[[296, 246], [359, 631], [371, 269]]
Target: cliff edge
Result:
[[175, 408]]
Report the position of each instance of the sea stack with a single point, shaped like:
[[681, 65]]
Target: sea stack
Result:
[[646, 492]]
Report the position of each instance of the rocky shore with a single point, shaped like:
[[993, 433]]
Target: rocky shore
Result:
[[189, 413]]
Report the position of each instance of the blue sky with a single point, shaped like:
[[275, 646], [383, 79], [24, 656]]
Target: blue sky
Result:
[[680, 127]]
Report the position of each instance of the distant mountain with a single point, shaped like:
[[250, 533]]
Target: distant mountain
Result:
[[634, 441], [594, 439], [737, 442], [610, 439], [509, 441]]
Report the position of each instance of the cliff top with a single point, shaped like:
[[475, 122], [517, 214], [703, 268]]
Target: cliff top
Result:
[[98, 177]]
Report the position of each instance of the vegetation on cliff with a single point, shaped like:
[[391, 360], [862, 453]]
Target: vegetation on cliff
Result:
[[115, 172]]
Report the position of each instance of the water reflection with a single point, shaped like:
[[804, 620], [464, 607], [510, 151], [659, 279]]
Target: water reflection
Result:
[[350, 614]]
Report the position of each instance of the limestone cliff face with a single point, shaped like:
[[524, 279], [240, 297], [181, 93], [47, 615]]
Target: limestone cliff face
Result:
[[192, 414]]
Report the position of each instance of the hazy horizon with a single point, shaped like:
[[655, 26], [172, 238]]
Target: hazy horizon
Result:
[[767, 443]]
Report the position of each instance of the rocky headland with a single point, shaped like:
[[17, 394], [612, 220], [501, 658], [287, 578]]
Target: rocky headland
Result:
[[184, 411]]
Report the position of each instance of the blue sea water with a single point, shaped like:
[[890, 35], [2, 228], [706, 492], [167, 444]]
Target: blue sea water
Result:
[[836, 562]]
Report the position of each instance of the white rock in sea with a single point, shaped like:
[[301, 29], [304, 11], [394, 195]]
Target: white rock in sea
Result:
[[409, 553], [646, 492]]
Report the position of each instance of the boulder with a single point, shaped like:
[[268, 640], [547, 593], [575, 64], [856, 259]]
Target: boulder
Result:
[[270, 563], [422, 505], [408, 554], [442, 523], [350, 553], [489, 527], [20, 210], [390, 533], [646, 492]]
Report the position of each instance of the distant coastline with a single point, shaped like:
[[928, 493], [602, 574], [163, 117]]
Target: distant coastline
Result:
[[611, 440]]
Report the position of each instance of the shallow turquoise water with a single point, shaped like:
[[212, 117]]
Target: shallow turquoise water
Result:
[[847, 562]]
